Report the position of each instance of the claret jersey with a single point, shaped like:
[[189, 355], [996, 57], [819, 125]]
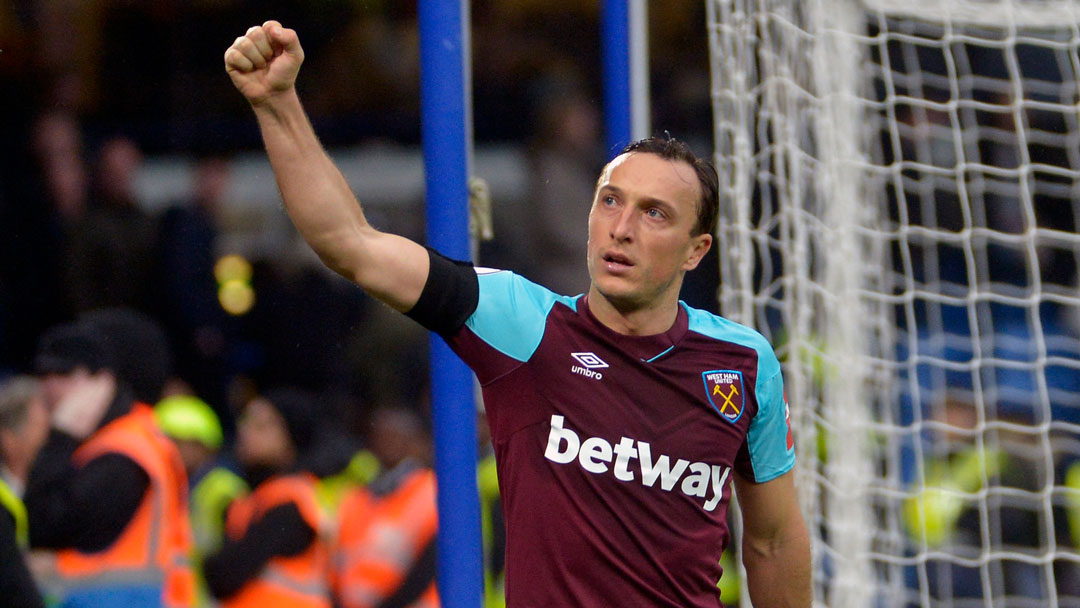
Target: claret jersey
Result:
[[616, 453]]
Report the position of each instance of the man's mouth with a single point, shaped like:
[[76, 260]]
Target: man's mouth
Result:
[[617, 259]]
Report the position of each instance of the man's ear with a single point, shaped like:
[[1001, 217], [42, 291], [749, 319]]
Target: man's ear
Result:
[[699, 246]]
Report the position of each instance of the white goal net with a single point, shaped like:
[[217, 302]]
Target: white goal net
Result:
[[901, 202]]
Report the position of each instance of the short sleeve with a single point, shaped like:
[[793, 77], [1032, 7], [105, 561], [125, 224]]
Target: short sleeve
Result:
[[769, 442], [507, 325]]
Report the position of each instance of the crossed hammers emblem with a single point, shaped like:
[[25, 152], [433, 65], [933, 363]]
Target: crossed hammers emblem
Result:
[[727, 398]]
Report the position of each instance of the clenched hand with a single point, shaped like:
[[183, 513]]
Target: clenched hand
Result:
[[264, 61]]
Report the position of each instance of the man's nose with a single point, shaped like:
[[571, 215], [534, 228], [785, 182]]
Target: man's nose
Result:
[[623, 228]]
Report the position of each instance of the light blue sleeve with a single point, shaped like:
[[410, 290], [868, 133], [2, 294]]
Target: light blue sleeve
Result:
[[512, 312], [771, 452]]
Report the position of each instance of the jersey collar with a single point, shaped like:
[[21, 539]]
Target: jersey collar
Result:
[[648, 349]]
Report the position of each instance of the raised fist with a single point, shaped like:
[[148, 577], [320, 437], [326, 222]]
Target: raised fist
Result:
[[264, 61]]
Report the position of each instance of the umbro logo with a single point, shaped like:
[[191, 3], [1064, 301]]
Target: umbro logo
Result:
[[591, 363], [589, 360]]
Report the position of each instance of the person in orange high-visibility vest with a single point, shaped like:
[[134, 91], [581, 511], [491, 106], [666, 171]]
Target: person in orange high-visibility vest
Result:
[[108, 491], [274, 552], [385, 552]]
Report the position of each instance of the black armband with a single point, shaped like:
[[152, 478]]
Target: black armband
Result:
[[450, 295]]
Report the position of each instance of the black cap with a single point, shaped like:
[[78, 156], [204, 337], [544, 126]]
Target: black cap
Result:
[[138, 346], [62, 348]]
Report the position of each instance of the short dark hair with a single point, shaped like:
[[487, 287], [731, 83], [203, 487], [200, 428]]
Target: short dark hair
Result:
[[669, 148], [138, 347]]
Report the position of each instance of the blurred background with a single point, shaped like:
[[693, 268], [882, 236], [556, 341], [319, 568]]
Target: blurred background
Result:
[[132, 175]]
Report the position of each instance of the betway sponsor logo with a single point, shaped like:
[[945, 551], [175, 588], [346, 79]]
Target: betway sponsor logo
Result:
[[597, 455]]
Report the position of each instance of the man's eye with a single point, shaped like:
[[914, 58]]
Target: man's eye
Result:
[[655, 213]]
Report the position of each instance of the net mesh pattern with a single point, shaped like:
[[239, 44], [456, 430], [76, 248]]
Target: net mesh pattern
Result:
[[900, 208]]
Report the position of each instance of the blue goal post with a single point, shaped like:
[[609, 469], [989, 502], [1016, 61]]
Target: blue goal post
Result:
[[446, 116], [446, 134], [624, 40]]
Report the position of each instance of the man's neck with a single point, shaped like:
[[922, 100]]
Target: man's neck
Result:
[[655, 318]]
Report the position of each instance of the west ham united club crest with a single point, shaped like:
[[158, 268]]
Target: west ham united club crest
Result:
[[724, 387]]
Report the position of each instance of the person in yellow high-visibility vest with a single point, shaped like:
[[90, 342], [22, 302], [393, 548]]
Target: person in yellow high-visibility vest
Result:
[[492, 524], [1067, 574], [945, 515], [196, 430], [730, 583], [494, 532], [24, 423], [1072, 496]]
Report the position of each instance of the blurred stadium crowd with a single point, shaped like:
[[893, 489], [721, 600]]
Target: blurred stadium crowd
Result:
[[285, 391]]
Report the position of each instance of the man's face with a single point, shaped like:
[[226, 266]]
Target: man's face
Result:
[[21, 442], [262, 438], [56, 386], [194, 455], [639, 230]]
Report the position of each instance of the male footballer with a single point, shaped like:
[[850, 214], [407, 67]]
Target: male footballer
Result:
[[621, 418]]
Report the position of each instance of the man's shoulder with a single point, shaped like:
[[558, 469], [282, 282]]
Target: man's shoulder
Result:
[[512, 312], [721, 328], [499, 282], [505, 292]]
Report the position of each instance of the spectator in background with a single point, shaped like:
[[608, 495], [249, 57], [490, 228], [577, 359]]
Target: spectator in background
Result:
[[187, 298], [945, 515], [107, 492], [24, 423], [385, 554], [194, 427], [58, 149], [46, 200], [564, 161], [274, 552], [341, 461], [492, 524], [140, 351], [111, 247], [1067, 572]]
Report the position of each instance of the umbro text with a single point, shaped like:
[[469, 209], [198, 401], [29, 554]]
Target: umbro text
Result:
[[588, 373]]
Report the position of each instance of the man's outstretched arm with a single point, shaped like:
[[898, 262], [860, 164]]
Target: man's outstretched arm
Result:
[[776, 546], [263, 65]]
